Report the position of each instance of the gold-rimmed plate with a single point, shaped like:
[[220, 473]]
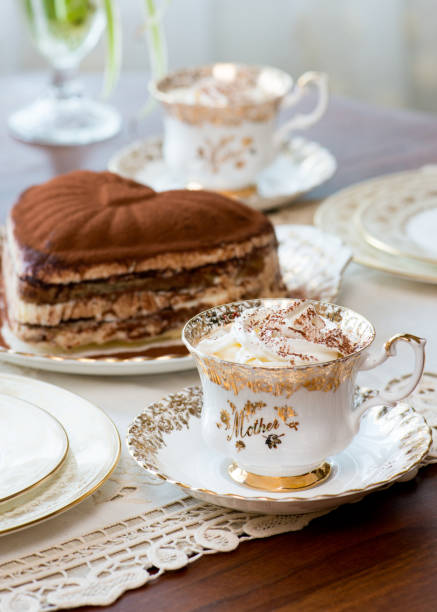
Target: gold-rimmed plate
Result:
[[339, 214], [94, 450], [312, 264], [400, 216], [33, 445], [391, 443]]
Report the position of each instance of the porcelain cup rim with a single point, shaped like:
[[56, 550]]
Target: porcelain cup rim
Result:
[[259, 368], [156, 87]]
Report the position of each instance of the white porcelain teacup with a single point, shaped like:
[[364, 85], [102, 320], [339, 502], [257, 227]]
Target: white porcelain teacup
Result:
[[220, 122], [279, 425]]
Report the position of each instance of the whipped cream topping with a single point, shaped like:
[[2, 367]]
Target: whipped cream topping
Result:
[[274, 336]]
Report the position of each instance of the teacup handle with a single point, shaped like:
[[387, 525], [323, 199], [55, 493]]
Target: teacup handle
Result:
[[302, 121], [388, 398]]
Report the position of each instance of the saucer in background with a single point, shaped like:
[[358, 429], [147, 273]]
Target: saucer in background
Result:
[[301, 166]]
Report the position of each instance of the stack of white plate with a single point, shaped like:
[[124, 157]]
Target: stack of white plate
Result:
[[390, 222], [48, 460]]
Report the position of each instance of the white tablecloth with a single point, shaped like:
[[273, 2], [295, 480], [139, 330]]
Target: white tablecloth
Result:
[[393, 305]]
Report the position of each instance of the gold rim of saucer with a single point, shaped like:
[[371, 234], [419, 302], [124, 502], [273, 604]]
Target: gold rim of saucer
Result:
[[149, 434], [279, 484]]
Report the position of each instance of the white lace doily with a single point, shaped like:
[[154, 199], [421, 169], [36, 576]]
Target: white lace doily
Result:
[[111, 542]]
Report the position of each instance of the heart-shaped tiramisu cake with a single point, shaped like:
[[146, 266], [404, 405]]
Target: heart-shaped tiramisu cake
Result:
[[92, 257]]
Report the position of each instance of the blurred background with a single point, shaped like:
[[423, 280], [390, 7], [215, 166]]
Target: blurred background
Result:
[[383, 52]]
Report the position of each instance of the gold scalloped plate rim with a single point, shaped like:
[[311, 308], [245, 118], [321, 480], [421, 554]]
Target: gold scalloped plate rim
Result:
[[342, 498], [432, 456]]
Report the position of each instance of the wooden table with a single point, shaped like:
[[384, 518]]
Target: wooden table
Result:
[[378, 554]]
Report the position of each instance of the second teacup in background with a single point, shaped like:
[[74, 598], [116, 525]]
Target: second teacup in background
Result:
[[220, 121]]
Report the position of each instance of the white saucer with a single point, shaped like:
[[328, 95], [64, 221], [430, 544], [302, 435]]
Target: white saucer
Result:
[[301, 166], [390, 443], [33, 444], [312, 265], [93, 453]]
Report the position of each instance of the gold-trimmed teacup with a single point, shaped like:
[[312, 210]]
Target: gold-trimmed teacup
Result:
[[224, 141], [279, 425]]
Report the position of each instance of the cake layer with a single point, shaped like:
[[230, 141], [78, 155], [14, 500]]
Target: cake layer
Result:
[[151, 281], [88, 225], [223, 287], [160, 264], [83, 332], [133, 304]]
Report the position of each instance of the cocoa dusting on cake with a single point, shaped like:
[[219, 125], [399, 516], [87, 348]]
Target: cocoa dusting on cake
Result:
[[91, 257], [88, 218]]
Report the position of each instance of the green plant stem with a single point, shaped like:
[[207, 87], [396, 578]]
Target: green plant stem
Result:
[[156, 41], [61, 10], [157, 48], [113, 42]]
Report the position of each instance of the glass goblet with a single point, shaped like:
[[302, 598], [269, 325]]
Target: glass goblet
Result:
[[64, 31]]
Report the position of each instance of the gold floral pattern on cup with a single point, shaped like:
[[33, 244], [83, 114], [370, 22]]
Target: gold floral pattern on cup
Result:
[[280, 425], [279, 381]]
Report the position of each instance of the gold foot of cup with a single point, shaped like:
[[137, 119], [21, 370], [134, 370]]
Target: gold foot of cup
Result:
[[280, 483]]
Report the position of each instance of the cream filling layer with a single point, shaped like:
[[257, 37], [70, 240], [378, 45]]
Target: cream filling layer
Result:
[[131, 304]]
